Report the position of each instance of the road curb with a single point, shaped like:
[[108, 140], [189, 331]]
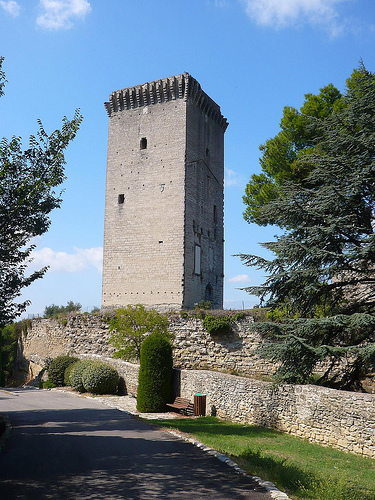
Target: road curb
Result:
[[267, 485], [275, 493]]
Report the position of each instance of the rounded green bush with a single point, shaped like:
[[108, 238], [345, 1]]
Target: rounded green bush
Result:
[[155, 374], [57, 367], [100, 378], [67, 374], [76, 373]]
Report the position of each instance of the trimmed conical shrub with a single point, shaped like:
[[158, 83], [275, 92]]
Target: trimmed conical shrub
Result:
[[155, 374]]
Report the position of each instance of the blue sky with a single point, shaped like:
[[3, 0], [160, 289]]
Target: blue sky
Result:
[[253, 57]]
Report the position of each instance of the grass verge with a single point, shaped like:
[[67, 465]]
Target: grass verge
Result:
[[305, 471]]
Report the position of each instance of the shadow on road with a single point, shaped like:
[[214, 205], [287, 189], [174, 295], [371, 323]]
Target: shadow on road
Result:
[[103, 453]]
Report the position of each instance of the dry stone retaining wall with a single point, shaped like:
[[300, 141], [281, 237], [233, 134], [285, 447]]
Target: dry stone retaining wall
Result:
[[341, 419], [344, 420], [194, 347]]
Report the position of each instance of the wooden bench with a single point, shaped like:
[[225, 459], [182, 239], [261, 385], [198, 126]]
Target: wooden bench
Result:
[[183, 405]]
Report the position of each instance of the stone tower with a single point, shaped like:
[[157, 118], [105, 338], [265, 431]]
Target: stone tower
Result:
[[163, 231]]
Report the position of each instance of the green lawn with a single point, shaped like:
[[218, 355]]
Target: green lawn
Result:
[[301, 469]]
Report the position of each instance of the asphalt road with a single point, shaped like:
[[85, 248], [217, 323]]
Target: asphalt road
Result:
[[66, 447]]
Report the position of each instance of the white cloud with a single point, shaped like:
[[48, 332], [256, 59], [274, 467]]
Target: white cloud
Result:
[[282, 13], [60, 14], [232, 178], [11, 7], [240, 278], [77, 262]]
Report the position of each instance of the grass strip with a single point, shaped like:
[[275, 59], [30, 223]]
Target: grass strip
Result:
[[306, 471]]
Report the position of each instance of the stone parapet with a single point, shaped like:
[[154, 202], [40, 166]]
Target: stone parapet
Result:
[[183, 86]]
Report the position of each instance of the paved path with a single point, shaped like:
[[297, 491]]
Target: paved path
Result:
[[66, 447]]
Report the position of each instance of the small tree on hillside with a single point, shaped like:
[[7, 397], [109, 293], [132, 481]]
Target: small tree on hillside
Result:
[[130, 327]]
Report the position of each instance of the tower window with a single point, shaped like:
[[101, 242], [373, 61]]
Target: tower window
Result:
[[197, 259], [208, 293], [215, 214], [121, 199], [143, 143]]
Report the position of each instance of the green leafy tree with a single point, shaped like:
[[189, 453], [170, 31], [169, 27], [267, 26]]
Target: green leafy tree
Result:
[[28, 178], [323, 273], [53, 310], [130, 327], [282, 154], [9, 336]]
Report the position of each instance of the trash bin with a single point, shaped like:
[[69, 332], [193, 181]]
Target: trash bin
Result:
[[199, 405]]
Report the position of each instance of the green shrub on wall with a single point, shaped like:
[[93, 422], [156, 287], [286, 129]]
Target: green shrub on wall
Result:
[[216, 325], [57, 367], [155, 374], [130, 327], [100, 378]]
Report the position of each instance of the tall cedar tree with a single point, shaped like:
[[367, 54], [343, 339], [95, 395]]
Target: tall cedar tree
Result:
[[281, 154], [323, 274], [27, 182]]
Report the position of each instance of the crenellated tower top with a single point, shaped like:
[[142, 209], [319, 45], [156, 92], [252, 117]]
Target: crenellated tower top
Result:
[[183, 86]]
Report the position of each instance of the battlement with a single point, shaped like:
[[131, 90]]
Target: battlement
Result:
[[183, 86]]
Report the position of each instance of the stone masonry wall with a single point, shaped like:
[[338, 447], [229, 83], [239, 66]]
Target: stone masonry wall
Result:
[[344, 420], [194, 347]]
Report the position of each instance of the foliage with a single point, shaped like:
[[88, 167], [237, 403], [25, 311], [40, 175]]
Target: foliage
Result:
[[47, 384], [57, 367], [216, 325], [28, 179], [306, 470], [219, 324], [92, 376], [100, 378], [54, 311], [130, 327], [204, 304], [8, 347], [2, 77], [322, 277], [284, 156], [155, 373], [67, 373], [9, 336], [233, 314], [76, 374]]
